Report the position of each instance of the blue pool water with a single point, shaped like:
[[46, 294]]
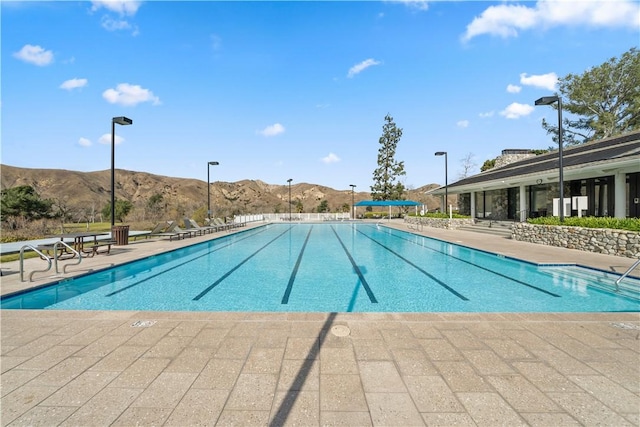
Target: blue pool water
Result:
[[333, 267]]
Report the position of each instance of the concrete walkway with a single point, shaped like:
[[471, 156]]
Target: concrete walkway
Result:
[[95, 368]]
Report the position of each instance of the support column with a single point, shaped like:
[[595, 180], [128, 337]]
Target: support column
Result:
[[473, 204], [523, 203], [620, 194]]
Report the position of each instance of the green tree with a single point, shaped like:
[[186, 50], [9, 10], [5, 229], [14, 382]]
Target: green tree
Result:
[[23, 203], [386, 184], [488, 164], [605, 101], [323, 206], [123, 208], [299, 207], [346, 207]]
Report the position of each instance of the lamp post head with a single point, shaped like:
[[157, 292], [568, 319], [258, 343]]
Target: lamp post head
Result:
[[289, 180], [352, 186], [547, 100], [214, 163], [122, 120], [441, 153]]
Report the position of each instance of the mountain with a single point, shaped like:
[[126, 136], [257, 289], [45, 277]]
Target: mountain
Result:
[[84, 194]]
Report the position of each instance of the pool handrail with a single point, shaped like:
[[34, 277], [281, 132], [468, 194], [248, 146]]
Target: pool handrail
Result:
[[626, 273], [55, 256], [43, 256]]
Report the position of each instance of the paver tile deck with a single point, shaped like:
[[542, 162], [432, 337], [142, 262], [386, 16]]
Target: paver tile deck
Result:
[[377, 369]]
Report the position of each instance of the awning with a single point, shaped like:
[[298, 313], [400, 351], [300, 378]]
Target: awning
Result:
[[388, 203]]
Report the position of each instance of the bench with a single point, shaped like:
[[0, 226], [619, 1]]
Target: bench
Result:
[[99, 247], [63, 252]]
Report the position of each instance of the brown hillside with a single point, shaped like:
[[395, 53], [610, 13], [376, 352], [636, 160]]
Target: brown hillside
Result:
[[86, 193]]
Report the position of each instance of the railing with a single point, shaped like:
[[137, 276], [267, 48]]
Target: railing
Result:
[[55, 255], [626, 273], [381, 220], [325, 216], [48, 259], [43, 256]]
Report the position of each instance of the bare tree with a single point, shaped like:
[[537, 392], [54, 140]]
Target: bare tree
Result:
[[468, 165]]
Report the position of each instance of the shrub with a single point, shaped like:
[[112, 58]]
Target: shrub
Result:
[[631, 224]]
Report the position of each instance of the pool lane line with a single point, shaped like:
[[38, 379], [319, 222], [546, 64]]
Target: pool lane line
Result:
[[435, 279], [292, 278], [228, 273], [483, 268], [365, 285], [183, 263]]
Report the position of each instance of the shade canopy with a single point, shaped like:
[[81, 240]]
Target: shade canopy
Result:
[[388, 203]]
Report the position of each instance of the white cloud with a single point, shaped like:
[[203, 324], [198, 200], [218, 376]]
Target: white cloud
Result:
[[506, 20], [73, 84], [487, 114], [516, 110], [513, 88], [463, 123], [358, 68], [544, 81], [330, 158], [34, 55], [87, 142], [414, 4], [123, 7], [127, 95], [111, 24], [106, 139], [272, 130]]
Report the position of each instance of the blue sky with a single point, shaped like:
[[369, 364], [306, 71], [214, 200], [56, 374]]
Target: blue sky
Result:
[[279, 90]]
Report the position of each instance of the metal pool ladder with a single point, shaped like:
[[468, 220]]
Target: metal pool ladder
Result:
[[47, 258], [626, 273]]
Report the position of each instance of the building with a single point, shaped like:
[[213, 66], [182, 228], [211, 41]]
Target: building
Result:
[[601, 178]]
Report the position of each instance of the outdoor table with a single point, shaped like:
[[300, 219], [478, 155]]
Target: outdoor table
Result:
[[79, 238]]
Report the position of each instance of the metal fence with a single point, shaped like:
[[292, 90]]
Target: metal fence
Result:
[[277, 217]]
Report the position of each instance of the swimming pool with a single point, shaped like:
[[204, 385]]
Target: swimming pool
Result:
[[332, 267]]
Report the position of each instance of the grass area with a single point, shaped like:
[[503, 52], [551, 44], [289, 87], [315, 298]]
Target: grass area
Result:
[[103, 227]]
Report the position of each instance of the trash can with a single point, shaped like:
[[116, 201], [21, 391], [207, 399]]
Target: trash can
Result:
[[120, 233]]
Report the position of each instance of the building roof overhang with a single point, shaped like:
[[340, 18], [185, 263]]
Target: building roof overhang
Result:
[[600, 158]]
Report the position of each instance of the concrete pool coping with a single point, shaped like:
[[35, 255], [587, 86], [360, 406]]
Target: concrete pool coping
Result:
[[177, 368]]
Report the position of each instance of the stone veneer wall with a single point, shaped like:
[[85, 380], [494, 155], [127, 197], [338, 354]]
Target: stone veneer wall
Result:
[[449, 224], [600, 240]]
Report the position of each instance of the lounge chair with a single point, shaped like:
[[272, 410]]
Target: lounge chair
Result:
[[238, 223], [209, 227], [190, 224], [185, 233], [208, 222], [220, 223], [166, 229]]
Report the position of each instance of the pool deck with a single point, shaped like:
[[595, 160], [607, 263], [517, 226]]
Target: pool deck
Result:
[[124, 368]]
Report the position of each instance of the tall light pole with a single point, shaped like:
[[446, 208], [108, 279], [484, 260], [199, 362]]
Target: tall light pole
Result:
[[353, 214], [548, 100], [124, 121], [209, 164], [289, 181], [446, 177]]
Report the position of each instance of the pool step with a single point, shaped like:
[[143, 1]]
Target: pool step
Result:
[[629, 287], [497, 228]]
